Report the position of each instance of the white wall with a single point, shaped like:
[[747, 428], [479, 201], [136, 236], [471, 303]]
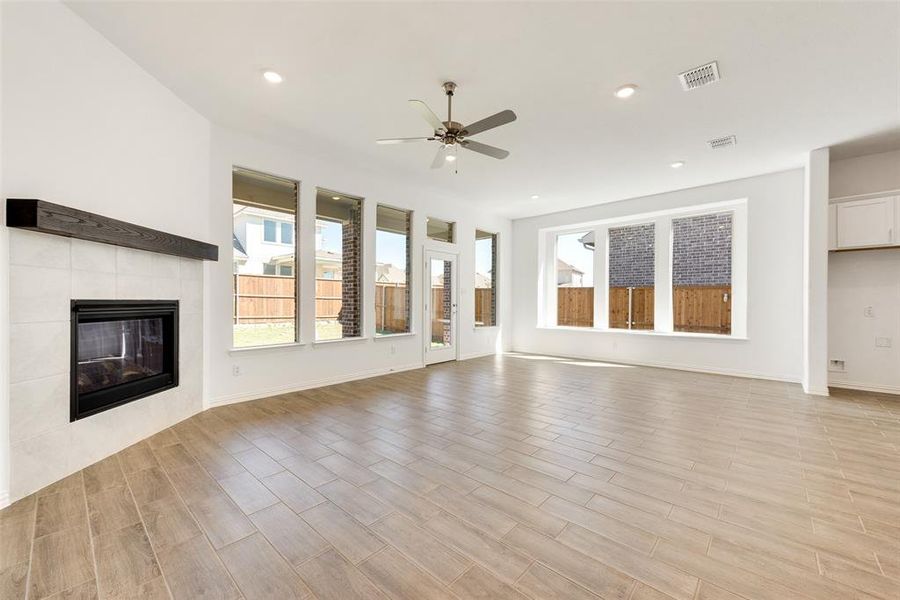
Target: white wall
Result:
[[773, 346], [865, 278], [4, 315], [815, 273], [269, 371], [94, 131], [865, 174]]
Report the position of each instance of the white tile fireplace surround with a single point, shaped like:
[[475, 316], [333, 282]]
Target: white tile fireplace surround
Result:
[[46, 273]]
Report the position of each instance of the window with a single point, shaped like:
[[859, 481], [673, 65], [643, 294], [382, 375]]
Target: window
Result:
[[264, 293], [392, 268], [269, 231], [701, 273], [338, 252], [441, 231], [574, 280], [287, 233], [632, 277], [485, 279]]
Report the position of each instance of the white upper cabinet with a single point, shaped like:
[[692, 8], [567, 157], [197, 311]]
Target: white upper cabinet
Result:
[[865, 223]]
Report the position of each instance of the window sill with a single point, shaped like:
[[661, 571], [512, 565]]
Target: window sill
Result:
[[269, 347], [674, 334], [388, 336], [361, 338]]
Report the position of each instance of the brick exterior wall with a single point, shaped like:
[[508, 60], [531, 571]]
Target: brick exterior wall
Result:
[[351, 286], [448, 299], [631, 256], [408, 287], [701, 250], [495, 267]]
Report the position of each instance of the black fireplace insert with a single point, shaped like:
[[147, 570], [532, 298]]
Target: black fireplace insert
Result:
[[122, 350]]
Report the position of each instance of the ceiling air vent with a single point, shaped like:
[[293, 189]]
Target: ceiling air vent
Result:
[[699, 76], [722, 142]]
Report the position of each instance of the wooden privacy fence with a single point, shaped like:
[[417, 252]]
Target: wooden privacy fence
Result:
[[575, 306], [263, 299], [271, 299], [702, 309], [699, 309], [642, 307]]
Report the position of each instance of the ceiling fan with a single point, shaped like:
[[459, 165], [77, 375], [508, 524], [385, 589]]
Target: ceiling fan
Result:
[[453, 135]]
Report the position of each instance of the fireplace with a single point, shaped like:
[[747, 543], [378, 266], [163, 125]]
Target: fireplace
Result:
[[122, 350]]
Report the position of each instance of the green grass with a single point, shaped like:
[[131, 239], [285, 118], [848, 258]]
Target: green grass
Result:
[[263, 334]]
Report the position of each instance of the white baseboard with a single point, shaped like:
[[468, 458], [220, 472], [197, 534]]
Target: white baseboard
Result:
[[4, 499], [676, 366], [816, 391], [865, 387], [309, 384], [476, 355]]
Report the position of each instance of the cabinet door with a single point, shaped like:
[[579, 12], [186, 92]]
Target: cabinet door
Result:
[[865, 223]]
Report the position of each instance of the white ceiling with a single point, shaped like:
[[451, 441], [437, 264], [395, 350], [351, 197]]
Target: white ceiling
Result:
[[795, 76]]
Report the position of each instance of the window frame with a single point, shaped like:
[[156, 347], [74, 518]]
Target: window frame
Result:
[[663, 267], [362, 258], [298, 188], [495, 269], [411, 216]]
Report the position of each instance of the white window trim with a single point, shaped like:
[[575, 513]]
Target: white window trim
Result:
[[495, 282], [663, 309]]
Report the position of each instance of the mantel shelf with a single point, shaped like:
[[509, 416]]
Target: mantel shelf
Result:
[[46, 217]]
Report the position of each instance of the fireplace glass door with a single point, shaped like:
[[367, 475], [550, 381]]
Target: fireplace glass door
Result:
[[121, 351]]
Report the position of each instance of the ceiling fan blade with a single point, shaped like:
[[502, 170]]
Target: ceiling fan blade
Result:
[[440, 158], [404, 140], [427, 114], [491, 151], [501, 118]]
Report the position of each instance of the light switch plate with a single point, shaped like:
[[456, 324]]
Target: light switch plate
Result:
[[882, 342]]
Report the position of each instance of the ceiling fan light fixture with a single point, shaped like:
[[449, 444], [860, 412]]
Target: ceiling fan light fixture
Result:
[[450, 158], [626, 91], [272, 76]]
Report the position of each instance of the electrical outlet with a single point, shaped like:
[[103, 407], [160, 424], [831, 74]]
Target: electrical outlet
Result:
[[236, 370], [836, 366], [882, 342], [869, 312]]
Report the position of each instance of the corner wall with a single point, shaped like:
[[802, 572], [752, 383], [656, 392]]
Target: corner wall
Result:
[[775, 295], [91, 130]]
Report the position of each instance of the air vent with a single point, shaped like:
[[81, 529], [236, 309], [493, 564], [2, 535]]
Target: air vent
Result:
[[699, 76], [722, 142]]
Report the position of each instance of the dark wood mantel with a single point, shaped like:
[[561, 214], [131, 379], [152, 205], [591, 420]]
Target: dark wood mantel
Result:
[[46, 217]]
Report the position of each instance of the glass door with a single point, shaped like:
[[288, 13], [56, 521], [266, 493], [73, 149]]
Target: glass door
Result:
[[440, 307]]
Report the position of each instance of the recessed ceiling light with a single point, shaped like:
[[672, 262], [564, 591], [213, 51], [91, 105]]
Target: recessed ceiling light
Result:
[[335, 197], [626, 91], [535, 197], [450, 158], [272, 77], [677, 164]]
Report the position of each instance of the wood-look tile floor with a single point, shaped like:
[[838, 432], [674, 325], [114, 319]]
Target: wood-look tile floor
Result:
[[513, 477]]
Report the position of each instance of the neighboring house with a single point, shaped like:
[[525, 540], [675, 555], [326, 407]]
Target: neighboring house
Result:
[[263, 244], [481, 280], [568, 275], [389, 274]]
